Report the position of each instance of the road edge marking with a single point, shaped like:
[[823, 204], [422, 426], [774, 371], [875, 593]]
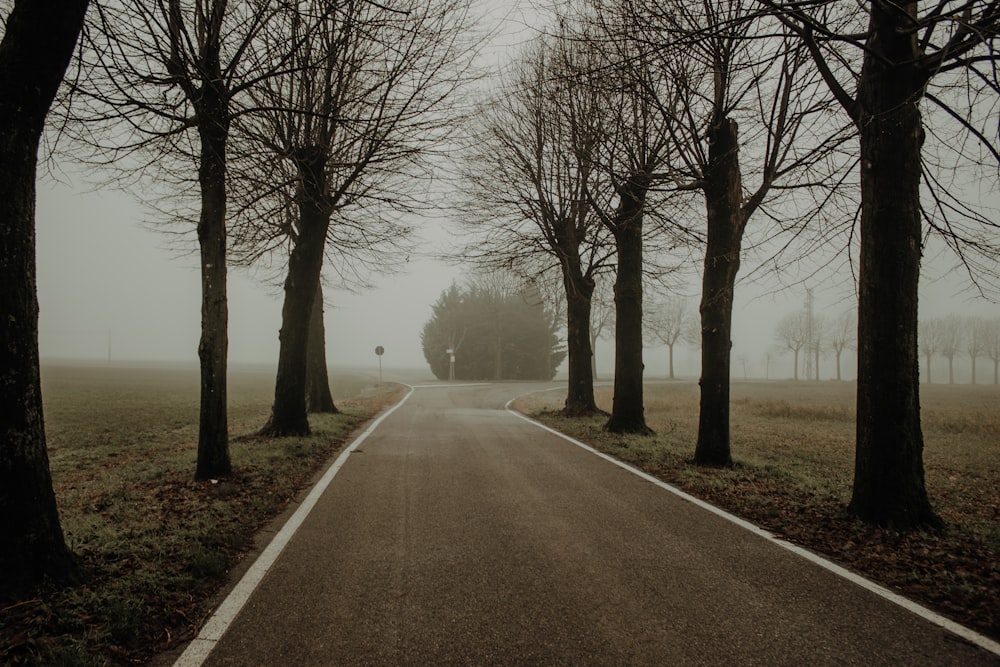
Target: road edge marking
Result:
[[971, 636], [215, 627]]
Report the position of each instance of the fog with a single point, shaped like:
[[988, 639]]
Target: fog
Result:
[[109, 285], [105, 274]]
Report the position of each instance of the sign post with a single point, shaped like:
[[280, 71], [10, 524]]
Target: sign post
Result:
[[379, 350]]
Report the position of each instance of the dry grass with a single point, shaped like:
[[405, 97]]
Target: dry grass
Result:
[[793, 444], [152, 543]]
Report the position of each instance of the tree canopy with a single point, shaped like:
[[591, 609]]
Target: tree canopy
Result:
[[493, 334]]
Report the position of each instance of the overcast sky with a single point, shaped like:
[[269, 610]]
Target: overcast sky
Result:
[[102, 272], [105, 276]]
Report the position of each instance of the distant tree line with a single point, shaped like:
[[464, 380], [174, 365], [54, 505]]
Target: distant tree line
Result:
[[974, 337], [813, 336], [949, 337]]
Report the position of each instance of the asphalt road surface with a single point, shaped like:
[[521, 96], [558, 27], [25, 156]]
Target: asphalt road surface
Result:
[[460, 534]]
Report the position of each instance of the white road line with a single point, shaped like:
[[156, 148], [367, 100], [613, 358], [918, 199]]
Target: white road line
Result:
[[199, 648], [951, 626], [445, 385]]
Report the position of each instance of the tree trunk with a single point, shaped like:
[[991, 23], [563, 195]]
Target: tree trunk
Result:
[[928, 369], [951, 370], [670, 354], [838, 365], [35, 51], [498, 359], [593, 350], [888, 473], [318, 396], [213, 348], [288, 414], [795, 369], [816, 355], [628, 412], [580, 390], [973, 370], [723, 196], [996, 371]]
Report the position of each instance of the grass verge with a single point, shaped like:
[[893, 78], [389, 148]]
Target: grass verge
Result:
[[793, 445], [153, 544]]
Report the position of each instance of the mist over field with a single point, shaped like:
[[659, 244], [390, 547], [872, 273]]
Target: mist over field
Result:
[[104, 272], [108, 277]]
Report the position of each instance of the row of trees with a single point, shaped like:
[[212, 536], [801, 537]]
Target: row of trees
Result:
[[974, 337], [298, 132], [682, 128], [951, 336], [492, 330], [812, 335]]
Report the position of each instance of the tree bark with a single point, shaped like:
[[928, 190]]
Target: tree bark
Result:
[[36, 48], [318, 396], [838, 365], [288, 413], [889, 484], [670, 354], [593, 349], [628, 411], [723, 194], [580, 391], [213, 348]]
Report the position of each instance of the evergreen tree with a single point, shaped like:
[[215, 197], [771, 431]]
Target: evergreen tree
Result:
[[492, 335]]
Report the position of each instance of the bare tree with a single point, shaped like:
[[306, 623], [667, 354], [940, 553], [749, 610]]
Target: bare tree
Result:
[[951, 341], [667, 322], [734, 86], [602, 320], [345, 130], [151, 76], [992, 346], [634, 160], [817, 334], [882, 61], [842, 336], [529, 164], [319, 398], [37, 43], [791, 333], [975, 341], [929, 335]]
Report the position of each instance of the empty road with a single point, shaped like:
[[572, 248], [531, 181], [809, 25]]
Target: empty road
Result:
[[460, 534]]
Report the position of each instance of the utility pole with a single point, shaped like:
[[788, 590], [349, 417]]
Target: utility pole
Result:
[[810, 324]]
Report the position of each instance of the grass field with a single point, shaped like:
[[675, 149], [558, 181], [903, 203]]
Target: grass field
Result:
[[793, 443], [153, 545]]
